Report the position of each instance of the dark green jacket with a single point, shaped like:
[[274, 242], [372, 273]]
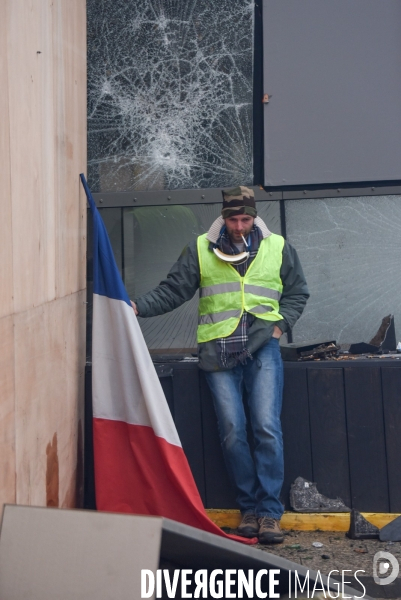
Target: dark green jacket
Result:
[[183, 280]]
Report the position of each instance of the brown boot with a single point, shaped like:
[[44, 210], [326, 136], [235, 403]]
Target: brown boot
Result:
[[249, 526], [269, 531]]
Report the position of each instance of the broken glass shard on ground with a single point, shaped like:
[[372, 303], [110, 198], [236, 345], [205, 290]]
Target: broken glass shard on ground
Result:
[[360, 528], [304, 497], [170, 88]]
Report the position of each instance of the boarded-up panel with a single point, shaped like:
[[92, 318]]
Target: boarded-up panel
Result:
[[391, 383], [188, 420], [42, 151], [46, 47], [220, 493], [366, 444], [296, 431], [329, 433], [69, 84], [30, 55], [332, 71], [49, 380], [165, 374], [6, 261], [7, 425]]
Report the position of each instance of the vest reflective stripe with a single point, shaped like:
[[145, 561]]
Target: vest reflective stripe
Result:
[[258, 290], [220, 288], [219, 317], [259, 310], [224, 294]]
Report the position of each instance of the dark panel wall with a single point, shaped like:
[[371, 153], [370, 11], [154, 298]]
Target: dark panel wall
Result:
[[391, 390], [328, 426], [341, 426], [296, 429], [367, 447]]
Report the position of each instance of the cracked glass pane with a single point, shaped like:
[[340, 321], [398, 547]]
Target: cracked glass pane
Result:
[[149, 257], [169, 94], [351, 254]]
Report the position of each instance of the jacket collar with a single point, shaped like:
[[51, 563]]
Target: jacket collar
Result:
[[214, 231]]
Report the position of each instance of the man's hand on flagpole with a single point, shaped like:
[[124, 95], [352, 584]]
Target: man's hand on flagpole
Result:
[[134, 307]]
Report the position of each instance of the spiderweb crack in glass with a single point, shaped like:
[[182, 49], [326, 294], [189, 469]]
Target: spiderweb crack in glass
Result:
[[350, 252], [169, 93]]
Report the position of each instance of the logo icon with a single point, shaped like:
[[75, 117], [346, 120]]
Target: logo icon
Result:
[[382, 561]]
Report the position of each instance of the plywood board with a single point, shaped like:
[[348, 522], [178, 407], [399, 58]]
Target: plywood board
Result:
[[47, 48], [69, 81], [43, 249], [49, 365], [7, 417], [30, 55], [6, 287]]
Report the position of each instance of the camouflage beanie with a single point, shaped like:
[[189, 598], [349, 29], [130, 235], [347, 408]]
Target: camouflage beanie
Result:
[[238, 201]]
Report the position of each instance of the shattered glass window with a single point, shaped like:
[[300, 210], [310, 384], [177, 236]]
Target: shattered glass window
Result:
[[169, 94], [351, 254]]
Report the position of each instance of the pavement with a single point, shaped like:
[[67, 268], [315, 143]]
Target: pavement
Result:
[[341, 554]]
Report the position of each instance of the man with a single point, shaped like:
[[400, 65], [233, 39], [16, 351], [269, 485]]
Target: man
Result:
[[252, 290]]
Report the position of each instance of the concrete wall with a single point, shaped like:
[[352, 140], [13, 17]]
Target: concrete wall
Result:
[[42, 249]]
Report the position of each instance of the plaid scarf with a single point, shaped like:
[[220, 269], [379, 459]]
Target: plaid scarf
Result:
[[233, 349]]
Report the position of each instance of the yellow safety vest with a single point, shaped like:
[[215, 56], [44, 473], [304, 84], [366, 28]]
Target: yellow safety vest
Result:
[[224, 294]]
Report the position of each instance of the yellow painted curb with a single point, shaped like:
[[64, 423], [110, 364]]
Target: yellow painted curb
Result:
[[304, 521]]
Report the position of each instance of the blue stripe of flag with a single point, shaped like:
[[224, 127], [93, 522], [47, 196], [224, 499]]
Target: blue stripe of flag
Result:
[[106, 277]]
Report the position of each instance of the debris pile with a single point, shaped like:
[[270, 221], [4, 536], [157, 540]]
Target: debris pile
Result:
[[361, 529], [383, 340], [304, 497], [322, 352], [382, 345]]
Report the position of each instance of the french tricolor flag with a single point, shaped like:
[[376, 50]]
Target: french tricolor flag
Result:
[[140, 466]]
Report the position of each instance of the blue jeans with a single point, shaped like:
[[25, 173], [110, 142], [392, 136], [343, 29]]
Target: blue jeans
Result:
[[258, 478]]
